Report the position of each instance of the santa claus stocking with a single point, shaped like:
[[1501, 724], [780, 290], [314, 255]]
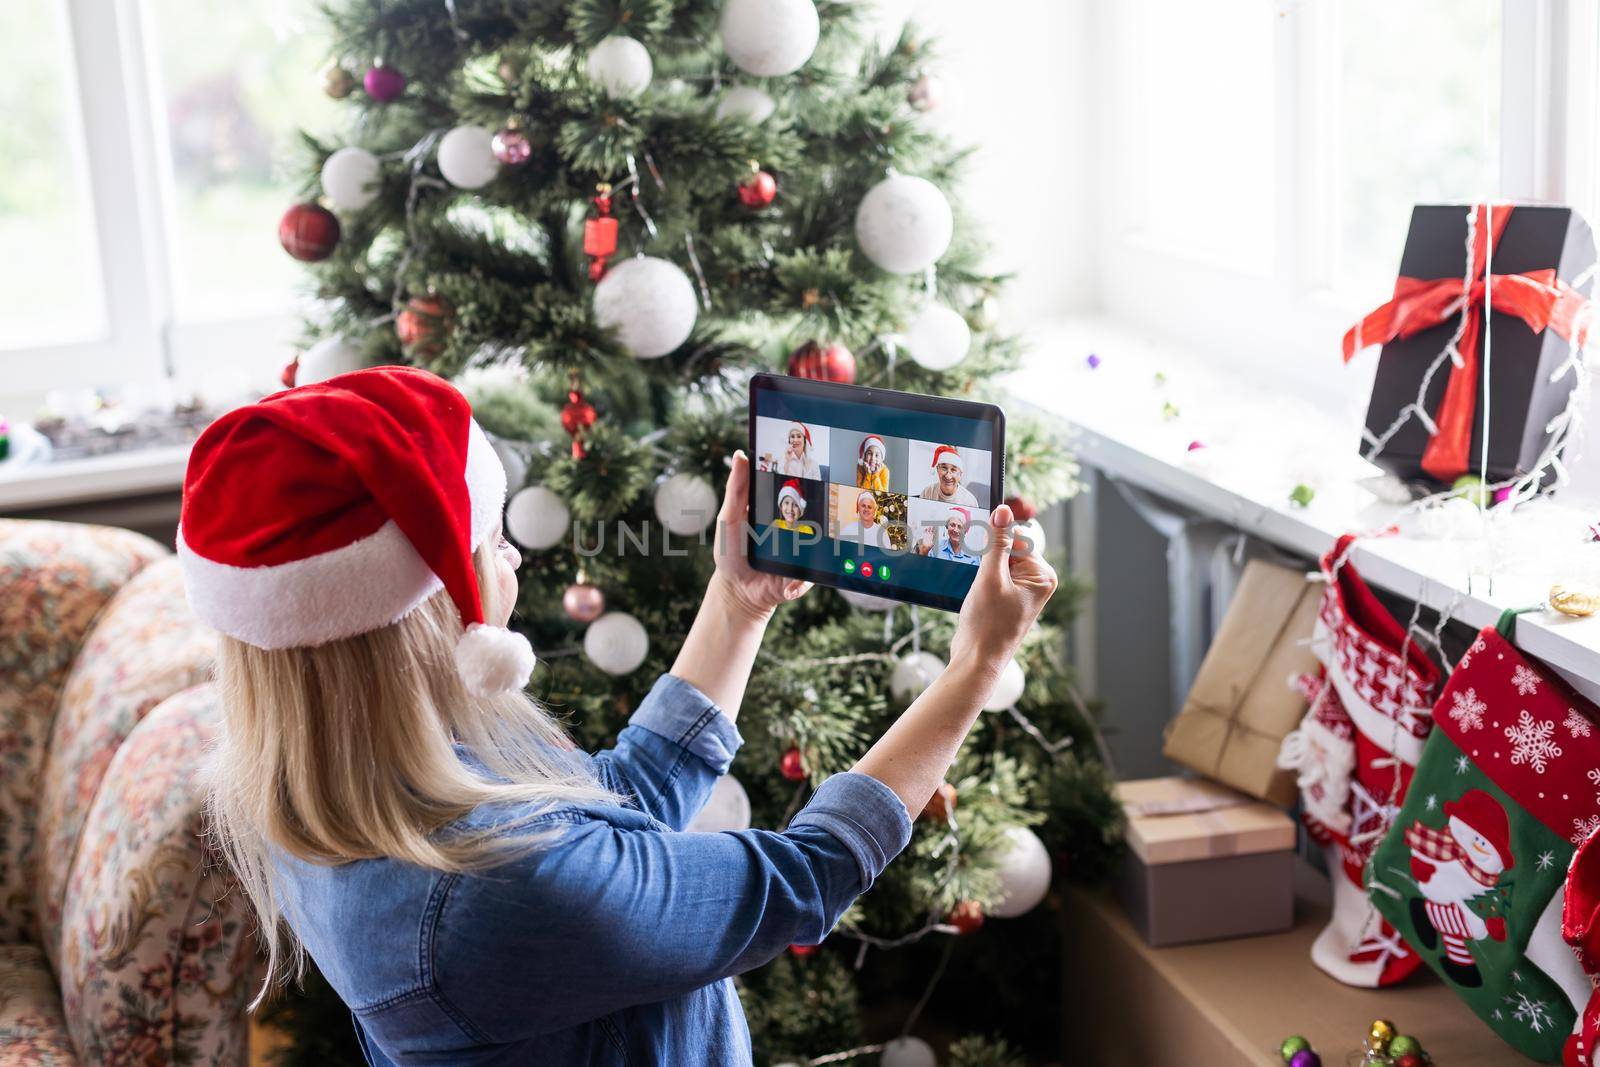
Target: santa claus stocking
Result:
[[1354, 754], [1471, 873]]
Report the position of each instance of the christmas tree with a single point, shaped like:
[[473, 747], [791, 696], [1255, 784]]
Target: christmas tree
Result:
[[600, 217]]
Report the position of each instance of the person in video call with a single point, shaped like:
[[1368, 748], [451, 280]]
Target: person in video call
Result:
[[949, 472], [791, 505], [799, 461], [398, 809], [868, 527], [871, 470], [950, 540]]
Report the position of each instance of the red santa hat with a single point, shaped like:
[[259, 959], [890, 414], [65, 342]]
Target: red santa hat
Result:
[[966, 516], [805, 431], [948, 454], [338, 508], [1480, 811], [791, 489], [871, 439]]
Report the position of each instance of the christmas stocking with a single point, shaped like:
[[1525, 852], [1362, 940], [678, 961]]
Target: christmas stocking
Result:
[[1472, 872], [1580, 926], [1354, 754]]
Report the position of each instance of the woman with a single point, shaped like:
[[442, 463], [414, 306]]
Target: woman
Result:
[[798, 460], [476, 889], [949, 471], [871, 472], [791, 505]]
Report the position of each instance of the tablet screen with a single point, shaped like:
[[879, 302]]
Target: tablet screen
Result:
[[872, 490]]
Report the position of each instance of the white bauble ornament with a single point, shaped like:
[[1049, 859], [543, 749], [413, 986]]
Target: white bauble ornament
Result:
[[904, 224], [867, 602], [747, 104], [511, 459], [616, 642], [769, 37], [908, 1052], [1008, 689], [728, 808], [466, 157], [914, 673], [1024, 874], [621, 66], [328, 357], [1032, 533], [537, 518], [686, 504], [649, 302], [938, 338], [350, 178]]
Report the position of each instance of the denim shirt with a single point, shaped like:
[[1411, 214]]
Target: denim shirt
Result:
[[614, 944]]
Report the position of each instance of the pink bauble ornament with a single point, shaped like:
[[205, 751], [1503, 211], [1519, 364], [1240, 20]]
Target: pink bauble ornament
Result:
[[926, 93], [583, 602], [510, 145], [384, 84]]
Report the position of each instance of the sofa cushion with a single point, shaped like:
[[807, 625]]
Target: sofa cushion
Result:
[[54, 580], [32, 1029], [145, 647], [157, 954]]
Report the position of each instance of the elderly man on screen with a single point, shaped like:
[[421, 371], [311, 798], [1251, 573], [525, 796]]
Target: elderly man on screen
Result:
[[868, 527], [951, 540], [949, 472]]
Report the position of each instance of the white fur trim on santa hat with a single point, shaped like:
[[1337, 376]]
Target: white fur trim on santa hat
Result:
[[351, 590], [792, 493], [492, 659]]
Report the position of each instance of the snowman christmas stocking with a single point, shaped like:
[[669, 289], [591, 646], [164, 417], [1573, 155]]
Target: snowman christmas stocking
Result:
[[1471, 873], [1354, 753]]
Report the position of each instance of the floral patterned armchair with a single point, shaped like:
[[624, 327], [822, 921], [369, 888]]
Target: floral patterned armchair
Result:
[[119, 939]]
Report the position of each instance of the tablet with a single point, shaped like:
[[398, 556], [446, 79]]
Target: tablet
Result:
[[870, 490]]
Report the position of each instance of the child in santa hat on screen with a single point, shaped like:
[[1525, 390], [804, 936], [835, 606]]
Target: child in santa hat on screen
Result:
[[394, 805], [871, 470], [949, 472], [792, 505]]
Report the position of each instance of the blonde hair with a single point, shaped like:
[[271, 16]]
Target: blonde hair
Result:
[[346, 751]]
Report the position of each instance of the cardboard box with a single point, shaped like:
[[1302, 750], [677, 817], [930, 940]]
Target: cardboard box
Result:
[[1204, 862], [1241, 705]]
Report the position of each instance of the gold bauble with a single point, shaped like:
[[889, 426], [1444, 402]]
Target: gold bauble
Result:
[[1579, 602], [1382, 1030], [338, 82]]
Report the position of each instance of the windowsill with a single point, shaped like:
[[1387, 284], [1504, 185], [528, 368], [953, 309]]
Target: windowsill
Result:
[[1259, 443], [53, 483]]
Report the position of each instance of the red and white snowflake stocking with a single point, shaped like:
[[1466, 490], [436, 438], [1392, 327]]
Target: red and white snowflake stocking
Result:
[[1355, 753]]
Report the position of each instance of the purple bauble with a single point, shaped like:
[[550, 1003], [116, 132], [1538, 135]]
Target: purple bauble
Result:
[[1306, 1058], [583, 602], [511, 147], [1093, 361], [384, 84]]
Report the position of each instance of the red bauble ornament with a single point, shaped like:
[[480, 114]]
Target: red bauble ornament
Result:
[[1410, 1059], [1022, 508], [966, 916], [803, 950], [308, 232], [577, 415], [758, 190], [583, 602], [792, 766], [941, 804], [287, 374], [835, 363], [384, 84], [600, 233], [423, 325]]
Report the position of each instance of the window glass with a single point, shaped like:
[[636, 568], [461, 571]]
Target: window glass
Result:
[[236, 80], [50, 285], [1206, 144], [1418, 104]]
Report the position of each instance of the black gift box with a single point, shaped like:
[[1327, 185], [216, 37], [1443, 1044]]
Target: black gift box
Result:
[[1521, 397]]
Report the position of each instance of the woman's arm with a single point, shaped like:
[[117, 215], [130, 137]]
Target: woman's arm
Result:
[[721, 647], [913, 754]]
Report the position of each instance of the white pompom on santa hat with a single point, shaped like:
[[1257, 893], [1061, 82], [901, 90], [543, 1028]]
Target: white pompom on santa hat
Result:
[[335, 509], [948, 454], [791, 489]]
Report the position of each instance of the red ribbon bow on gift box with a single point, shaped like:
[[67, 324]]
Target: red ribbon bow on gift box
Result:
[[1538, 298]]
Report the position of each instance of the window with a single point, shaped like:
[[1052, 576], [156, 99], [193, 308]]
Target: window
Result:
[[153, 147], [1261, 157]]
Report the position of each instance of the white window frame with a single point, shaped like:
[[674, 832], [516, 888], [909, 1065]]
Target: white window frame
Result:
[[1284, 321], [131, 195]]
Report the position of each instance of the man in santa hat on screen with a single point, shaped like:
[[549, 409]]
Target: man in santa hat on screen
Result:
[[949, 474], [951, 539]]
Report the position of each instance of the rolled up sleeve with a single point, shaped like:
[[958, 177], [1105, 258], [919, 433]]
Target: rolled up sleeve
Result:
[[675, 746], [867, 816]]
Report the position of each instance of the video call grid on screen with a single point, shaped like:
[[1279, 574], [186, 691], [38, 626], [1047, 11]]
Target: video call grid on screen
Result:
[[872, 497]]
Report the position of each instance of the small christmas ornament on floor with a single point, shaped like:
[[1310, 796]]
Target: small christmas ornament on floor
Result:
[[1354, 755], [1473, 870]]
